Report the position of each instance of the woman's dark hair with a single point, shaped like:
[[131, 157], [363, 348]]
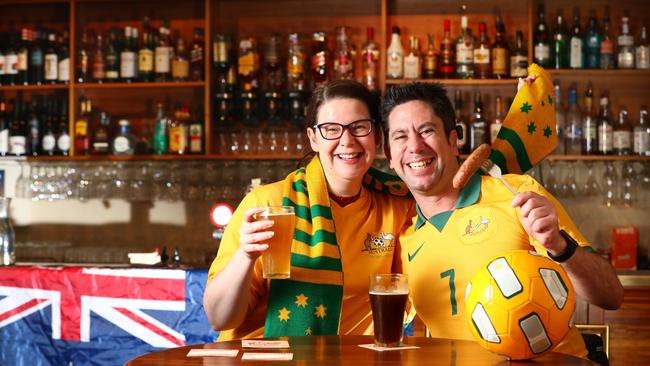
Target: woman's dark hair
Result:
[[434, 95], [343, 89]]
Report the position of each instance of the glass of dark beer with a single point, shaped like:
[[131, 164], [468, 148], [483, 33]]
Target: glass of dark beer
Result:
[[388, 294]]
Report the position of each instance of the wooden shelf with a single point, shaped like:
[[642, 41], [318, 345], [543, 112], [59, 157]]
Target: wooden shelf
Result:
[[154, 157], [35, 87], [141, 85], [598, 158], [455, 81], [603, 73]]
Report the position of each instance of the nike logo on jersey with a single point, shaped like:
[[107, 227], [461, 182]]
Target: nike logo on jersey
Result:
[[411, 256]]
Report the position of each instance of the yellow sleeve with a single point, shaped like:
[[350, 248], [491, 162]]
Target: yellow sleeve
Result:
[[564, 221]]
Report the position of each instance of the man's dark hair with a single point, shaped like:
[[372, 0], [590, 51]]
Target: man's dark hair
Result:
[[435, 95]]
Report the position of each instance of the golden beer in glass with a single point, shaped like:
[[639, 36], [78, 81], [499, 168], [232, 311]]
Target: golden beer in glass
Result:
[[276, 260]]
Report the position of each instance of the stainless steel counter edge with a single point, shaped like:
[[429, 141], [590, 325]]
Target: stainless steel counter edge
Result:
[[634, 279]]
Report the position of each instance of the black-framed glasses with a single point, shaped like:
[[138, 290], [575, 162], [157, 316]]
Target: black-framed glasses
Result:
[[333, 130]]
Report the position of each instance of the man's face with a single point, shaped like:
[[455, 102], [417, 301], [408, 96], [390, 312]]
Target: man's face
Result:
[[419, 151]]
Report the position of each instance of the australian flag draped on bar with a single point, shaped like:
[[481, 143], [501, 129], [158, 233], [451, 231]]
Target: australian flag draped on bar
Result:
[[98, 316]]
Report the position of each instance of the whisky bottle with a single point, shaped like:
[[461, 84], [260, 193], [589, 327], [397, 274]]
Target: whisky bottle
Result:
[[625, 49], [273, 77], [146, 53], [412, 61], [101, 137], [81, 139], [395, 56], [576, 45], [500, 52], [221, 62], [430, 64], [370, 61], [124, 141], [542, 46], [82, 68], [128, 57], [642, 134], [607, 47], [180, 63], [482, 59], [99, 65], [589, 125], [248, 65], [112, 58], [296, 77], [178, 132], [320, 59], [343, 55], [447, 64], [162, 55], [605, 129], [465, 49], [197, 65], [642, 51]]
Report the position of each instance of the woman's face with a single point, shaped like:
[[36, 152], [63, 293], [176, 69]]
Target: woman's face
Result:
[[346, 159]]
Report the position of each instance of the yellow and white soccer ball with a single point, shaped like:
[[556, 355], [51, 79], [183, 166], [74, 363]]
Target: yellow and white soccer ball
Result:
[[520, 304]]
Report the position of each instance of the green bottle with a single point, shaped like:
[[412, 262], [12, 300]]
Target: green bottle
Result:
[[160, 142]]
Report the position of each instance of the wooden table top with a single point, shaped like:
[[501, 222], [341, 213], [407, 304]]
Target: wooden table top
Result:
[[345, 350]]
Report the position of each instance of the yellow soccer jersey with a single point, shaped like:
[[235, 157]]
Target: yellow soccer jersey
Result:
[[441, 254], [366, 231]]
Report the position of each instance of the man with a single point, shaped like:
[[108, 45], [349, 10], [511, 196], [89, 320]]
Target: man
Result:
[[441, 251]]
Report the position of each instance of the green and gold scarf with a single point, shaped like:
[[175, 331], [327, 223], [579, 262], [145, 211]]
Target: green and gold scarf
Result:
[[309, 303]]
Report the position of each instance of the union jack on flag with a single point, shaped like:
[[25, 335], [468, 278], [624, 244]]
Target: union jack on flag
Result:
[[88, 316]]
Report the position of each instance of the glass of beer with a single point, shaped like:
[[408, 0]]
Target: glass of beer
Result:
[[388, 294], [276, 261]]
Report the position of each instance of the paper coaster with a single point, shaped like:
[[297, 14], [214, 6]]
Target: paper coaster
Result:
[[256, 343], [374, 347], [255, 356], [206, 352]]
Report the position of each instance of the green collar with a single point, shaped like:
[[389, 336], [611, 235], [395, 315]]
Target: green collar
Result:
[[468, 196]]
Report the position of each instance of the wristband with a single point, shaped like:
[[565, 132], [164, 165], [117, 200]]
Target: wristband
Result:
[[571, 246]]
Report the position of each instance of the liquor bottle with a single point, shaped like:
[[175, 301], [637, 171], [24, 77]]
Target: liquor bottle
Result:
[[343, 55], [461, 125], [296, 77], [34, 127], [625, 49], [99, 64], [542, 46], [500, 53], [101, 137], [162, 55], [622, 134], [178, 133], [197, 66], [576, 45], [248, 66], [641, 134], [447, 64], [464, 49], [128, 57], [478, 124], [395, 56], [112, 58], [370, 61], [412, 61], [143, 142], [574, 120], [221, 61], [81, 139], [4, 128], [146, 53], [559, 120], [64, 59], [430, 64], [320, 59], [22, 60], [196, 133], [11, 61], [497, 121], [482, 59], [181, 62], [63, 138], [48, 142], [606, 47], [589, 125], [273, 80], [560, 45], [35, 67], [605, 129], [17, 133], [159, 140], [124, 141], [642, 51], [82, 67], [593, 43], [519, 58], [51, 61]]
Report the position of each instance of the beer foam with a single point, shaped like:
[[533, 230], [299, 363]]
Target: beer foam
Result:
[[389, 292]]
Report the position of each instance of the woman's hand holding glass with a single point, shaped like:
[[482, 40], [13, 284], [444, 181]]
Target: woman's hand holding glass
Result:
[[254, 233]]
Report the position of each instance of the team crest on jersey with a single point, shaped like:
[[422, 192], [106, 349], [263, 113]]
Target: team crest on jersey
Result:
[[476, 226], [380, 244]]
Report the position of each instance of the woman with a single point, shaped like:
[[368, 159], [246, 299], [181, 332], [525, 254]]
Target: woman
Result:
[[345, 231]]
